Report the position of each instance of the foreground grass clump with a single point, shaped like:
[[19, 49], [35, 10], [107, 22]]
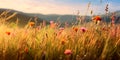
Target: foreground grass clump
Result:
[[72, 43]]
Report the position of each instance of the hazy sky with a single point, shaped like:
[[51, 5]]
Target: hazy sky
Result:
[[60, 6]]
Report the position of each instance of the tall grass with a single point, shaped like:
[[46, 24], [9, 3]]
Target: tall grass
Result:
[[97, 42]]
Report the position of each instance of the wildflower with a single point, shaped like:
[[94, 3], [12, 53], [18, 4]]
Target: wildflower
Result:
[[61, 28], [31, 23], [105, 29], [113, 17], [97, 19], [60, 31], [67, 52], [63, 42], [83, 29], [75, 29], [26, 50], [8, 33], [52, 24]]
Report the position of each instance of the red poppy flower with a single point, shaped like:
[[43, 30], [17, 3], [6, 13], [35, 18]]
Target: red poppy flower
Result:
[[97, 18]]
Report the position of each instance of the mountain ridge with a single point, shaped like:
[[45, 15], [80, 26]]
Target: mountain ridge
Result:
[[55, 17]]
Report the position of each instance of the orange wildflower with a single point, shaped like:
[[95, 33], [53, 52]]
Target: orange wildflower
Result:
[[26, 50], [75, 29], [97, 18], [8, 33], [31, 23]]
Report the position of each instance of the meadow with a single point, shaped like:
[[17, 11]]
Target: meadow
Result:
[[95, 40]]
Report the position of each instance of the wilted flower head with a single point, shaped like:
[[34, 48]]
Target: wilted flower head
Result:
[[26, 50], [106, 9], [104, 28], [91, 12], [8, 33], [75, 29], [67, 52], [83, 29], [63, 42]]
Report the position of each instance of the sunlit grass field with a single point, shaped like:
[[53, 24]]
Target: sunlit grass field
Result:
[[86, 41]]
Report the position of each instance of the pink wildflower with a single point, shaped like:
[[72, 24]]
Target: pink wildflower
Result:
[[83, 29], [68, 52]]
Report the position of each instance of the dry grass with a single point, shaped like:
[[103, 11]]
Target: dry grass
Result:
[[98, 42]]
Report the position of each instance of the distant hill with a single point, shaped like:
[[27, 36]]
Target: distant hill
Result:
[[60, 18], [72, 18], [25, 17], [55, 17]]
